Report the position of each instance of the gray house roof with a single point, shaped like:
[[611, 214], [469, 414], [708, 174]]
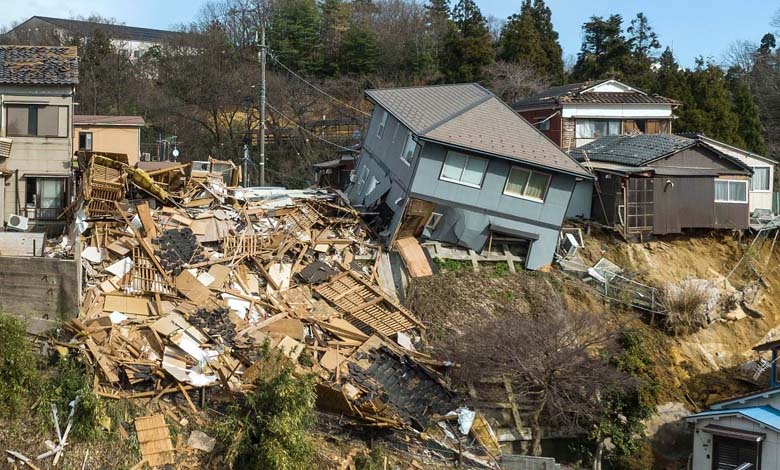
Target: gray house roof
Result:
[[114, 31], [470, 117], [641, 149], [576, 93], [38, 65]]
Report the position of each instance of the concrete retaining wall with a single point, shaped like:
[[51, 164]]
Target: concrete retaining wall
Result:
[[36, 288]]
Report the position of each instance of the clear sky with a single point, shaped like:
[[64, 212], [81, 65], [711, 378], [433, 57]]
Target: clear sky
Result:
[[691, 27]]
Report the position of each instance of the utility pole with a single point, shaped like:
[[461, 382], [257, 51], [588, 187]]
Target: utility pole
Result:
[[263, 51], [246, 165]]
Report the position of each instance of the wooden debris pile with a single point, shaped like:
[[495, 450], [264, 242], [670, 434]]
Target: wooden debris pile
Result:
[[183, 294]]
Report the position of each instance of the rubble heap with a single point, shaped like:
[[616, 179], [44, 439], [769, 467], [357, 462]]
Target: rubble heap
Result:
[[186, 278]]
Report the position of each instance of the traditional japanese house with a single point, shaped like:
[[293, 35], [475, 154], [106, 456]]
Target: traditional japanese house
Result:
[[655, 184]]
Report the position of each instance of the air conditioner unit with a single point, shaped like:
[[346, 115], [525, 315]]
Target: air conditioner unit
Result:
[[18, 223], [5, 147], [146, 157]]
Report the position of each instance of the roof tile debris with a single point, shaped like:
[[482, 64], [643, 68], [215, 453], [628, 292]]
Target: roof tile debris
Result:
[[470, 117], [38, 65]]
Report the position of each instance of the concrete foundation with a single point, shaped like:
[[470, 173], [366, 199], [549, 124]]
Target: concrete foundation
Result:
[[39, 288]]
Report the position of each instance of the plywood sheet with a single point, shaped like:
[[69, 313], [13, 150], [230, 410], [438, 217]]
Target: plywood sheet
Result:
[[192, 288], [414, 257], [126, 304]]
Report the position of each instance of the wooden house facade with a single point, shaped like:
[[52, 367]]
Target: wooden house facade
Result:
[[664, 183]]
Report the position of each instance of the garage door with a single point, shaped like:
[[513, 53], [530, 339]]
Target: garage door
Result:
[[731, 454]]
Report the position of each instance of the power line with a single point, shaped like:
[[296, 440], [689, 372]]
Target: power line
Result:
[[307, 130], [273, 57]]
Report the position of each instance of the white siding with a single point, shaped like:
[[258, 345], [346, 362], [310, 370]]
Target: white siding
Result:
[[623, 111], [702, 443]]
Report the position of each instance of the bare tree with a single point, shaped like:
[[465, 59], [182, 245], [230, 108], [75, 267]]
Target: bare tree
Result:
[[555, 360], [511, 81], [741, 54]]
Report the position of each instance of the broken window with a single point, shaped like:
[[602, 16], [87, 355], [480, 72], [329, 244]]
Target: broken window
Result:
[[85, 141], [37, 121], [760, 179], [409, 147], [595, 128], [731, 191], [526, 184], [464, 169], [733, 453], [45, 197], [433, 221], [543, 125], [380, 131]]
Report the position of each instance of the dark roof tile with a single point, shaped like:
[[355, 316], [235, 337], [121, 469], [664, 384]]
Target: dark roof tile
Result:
[[635, 149], [38, 65]]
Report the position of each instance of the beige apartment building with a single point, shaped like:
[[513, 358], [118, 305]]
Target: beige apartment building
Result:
[[37, 84], [114, 134]]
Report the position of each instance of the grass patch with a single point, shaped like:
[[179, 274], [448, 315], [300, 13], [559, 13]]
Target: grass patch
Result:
[[451, 265]]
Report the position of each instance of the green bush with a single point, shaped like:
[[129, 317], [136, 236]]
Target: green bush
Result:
[[269, 429], [18, 369], [69, 380], [374, 460]]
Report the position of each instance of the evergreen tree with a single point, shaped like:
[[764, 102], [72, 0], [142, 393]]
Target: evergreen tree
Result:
[[335, 24], [550, 44], [750, 129], [768, 43], [708, 108], [529, 38], [638, 71], [670, 78], [467, 47], [294, 35], [605, 52], [360, 50], [520, 41]]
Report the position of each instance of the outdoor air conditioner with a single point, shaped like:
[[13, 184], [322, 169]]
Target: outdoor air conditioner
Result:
[[18, 223], [5, 147]]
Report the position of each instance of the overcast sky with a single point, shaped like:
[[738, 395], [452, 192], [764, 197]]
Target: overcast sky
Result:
[[691, 27]]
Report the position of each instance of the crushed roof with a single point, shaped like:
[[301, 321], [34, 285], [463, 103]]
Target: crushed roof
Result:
[[102, 120], [470, 117], [575, 93], [633, 149], [766, 415], [115, 31], [39, 65]]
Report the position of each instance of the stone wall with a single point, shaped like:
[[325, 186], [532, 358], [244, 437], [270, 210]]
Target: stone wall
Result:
[[39, 288]]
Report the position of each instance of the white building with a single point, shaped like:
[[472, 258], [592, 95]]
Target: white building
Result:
[[763, 179], [742, 433], [128, 40]]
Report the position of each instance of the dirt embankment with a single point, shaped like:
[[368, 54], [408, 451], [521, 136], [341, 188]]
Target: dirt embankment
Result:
[[697, 368]]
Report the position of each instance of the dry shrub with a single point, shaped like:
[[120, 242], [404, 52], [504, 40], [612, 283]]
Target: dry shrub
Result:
[[689, 305]]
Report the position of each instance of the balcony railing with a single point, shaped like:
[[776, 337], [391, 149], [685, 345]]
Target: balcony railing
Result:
[[44, 214]]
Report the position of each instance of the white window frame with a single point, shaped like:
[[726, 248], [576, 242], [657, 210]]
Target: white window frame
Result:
[[530, 173], [747, 188], [380, 130], [433, 221], [769, 179], [468, 157], [578, 136], [406, 150]]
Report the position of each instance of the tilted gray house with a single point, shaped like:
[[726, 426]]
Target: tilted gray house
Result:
[[454, 163]]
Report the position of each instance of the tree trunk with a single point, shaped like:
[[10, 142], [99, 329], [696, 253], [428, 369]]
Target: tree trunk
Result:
[[536, 432], [597, 456]]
